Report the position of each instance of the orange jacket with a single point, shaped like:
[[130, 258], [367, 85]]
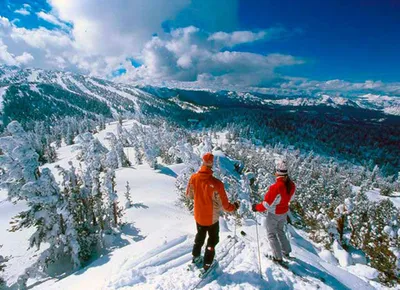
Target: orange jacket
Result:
[[209, 197]]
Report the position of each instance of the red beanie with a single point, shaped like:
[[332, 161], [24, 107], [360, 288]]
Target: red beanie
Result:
[[208, 158]]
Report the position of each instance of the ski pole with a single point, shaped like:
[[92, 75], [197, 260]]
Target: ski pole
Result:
[[258, 242], [258, 246]]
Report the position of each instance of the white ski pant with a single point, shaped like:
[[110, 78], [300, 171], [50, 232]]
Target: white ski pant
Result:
[[276, 234]]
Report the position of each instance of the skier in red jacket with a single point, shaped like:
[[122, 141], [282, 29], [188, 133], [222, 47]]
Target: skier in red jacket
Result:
[[276, 202]]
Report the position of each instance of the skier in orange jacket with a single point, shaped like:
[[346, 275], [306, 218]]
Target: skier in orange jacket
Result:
[[209, 198]]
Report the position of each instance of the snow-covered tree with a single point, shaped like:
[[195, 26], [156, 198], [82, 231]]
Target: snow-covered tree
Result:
[[205, 146], [118, 149], [3, 260], [112, 210], [123, 135], [48, 212], [19, 162], [128, 197], [185, 152]]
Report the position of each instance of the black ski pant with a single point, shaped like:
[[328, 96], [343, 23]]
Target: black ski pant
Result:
[[213, 239]]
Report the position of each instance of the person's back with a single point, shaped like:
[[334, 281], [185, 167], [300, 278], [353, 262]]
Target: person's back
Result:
[[209, 198], [278, 198], [276, 203]]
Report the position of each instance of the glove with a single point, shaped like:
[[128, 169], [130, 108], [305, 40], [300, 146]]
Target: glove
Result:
[[253, 207], [236, 204]]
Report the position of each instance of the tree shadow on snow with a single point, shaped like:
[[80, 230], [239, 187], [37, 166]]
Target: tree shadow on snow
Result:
[[166, 171], [140, 205], [133, 232], [301, 241], [63, 267], [304, 269], [252, 278]]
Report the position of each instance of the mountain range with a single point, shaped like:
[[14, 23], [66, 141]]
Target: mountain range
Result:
[[34, 94]]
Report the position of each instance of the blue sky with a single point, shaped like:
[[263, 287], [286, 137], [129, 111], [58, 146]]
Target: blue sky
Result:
[[354, 39], [341, 46]]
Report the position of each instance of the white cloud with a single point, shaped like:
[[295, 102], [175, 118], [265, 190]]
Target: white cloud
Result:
[[22, 11], [5, 56], [188, 55], [239, 37], [102, 36], [98, 37], [295, 86], [24, 58], [10, 59], [42, 38], [236, 37], [51, 19], [113, 28]]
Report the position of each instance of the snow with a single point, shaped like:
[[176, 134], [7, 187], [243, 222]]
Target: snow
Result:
[[121, 93], [327, 256], [59, 81], [374, 195], [34, 76], [86, 90], [343, 256], [34, 88], [3, 90], [15, 244], [189, 106], [157, 240], [364, 271], [394, 110]]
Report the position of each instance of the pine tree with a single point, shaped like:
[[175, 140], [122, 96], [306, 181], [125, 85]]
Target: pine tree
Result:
[[118, 149], [112, 210], [69, 137], [48, 212], [128, 197], [185, 152], [19, 161], [3, 260]]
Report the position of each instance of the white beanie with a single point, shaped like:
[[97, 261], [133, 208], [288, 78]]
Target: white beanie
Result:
[[281, 168]]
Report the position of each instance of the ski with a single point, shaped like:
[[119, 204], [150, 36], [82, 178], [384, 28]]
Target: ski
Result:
[[282, 263], [193, 266], [215, 263], [204, 273]]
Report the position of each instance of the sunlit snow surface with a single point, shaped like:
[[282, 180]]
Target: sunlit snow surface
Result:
[[157, 241]]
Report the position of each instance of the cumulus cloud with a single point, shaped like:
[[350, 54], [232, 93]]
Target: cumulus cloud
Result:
[[302, 86], [51, 19], [22, 11], [10, 59], [41, 38], [24, 58], [240, 37], [188, 55], [113, 28], [237, 37], [97, 37]]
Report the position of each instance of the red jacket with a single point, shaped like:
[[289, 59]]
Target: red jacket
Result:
[[209, 197], [277, 198]]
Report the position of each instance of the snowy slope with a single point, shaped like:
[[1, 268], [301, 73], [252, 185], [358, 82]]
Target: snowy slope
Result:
[[156, 243]]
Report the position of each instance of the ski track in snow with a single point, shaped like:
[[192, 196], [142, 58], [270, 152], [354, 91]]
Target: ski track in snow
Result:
[[160, 238], [118, 92], [88, 92]]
